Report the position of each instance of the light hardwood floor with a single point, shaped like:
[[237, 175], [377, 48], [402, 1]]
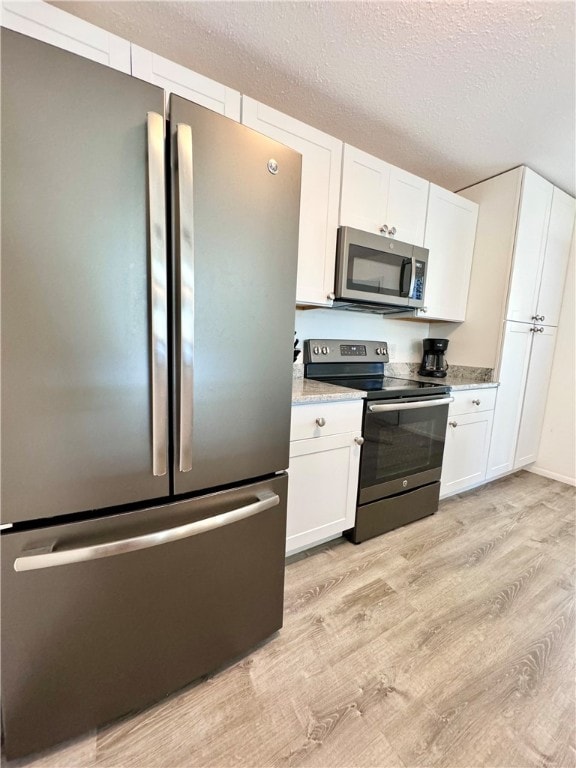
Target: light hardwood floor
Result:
[[449, 642]]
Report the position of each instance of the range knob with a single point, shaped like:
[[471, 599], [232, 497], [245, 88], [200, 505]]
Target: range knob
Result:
[[324, 350], [316, 350], [378, 351]]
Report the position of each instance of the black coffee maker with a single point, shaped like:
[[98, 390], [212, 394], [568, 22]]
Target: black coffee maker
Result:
[[433, 363]]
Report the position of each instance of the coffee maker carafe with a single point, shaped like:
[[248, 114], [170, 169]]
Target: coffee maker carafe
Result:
[[433, 363]]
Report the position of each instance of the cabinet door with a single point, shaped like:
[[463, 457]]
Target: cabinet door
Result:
[[321, 160], [365, 183], [407, 204], [450, 234], [535, 393], [184, 82], [512, 377], [322, 489], [533, 218], [51, 25], [556, 256], [466, 451]]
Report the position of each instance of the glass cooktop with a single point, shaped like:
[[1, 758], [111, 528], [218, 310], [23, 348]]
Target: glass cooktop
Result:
[[384, 387]]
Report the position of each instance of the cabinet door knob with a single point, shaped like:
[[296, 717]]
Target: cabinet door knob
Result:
[[424, 309], [475, 402], [321, 421], [538, 318], [533, 329], [453, 423], [359, 440], [541, 329], [331, 296], [384, 229], [392, 231]]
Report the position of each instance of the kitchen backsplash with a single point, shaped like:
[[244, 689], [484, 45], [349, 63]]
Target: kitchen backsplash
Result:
[[404, 337]]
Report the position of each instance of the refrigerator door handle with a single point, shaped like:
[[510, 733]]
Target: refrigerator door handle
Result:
[[34, 562], [186, 291], [158, 292]]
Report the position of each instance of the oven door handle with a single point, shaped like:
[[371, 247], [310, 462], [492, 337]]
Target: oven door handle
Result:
[[409, 406]]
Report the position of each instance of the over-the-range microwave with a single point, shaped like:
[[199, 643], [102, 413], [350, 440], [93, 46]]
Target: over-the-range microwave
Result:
[[378, 274]]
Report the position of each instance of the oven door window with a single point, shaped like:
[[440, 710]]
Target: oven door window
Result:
[[386, 274], [402, 443]]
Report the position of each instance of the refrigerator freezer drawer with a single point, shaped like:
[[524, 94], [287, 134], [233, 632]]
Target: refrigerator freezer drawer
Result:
[[85, 640]]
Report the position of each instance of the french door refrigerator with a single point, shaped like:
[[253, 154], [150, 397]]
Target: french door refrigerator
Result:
[[148, 288]]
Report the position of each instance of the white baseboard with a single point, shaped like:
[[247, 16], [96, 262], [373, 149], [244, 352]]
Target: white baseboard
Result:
[[553, 475]]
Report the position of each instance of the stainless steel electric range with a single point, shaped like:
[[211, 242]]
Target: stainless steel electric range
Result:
[[404, 427]]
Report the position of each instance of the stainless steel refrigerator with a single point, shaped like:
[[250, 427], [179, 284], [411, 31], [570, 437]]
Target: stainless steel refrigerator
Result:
[[148, 288]]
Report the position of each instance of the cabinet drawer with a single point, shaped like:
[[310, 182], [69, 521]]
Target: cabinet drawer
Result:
[[337, 417], [473, 400]]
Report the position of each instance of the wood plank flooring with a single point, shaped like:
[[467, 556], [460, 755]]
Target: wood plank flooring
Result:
[[449, 642]]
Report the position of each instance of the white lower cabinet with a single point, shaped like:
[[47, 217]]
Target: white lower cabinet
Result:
[[323, 472], [535, 395], [467, 440], [527, 354]]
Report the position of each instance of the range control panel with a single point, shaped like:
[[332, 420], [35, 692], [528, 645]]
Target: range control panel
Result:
[[345, 351]]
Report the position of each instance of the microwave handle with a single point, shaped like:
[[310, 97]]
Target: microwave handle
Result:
[[407, 292], [412, 278]]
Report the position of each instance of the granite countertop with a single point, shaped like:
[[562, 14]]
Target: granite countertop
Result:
[[456, 382], [457, 377], [310, 391]]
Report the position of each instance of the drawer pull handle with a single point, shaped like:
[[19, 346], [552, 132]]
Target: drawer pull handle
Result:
[[476, 402], [321, 421], [359, 440], [453, 424], [265, 500]]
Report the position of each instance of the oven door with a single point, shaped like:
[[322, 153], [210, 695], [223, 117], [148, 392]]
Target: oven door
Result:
[[403, 445]]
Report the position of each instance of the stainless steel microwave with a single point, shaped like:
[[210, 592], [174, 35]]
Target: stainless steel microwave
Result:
[[378, 274]]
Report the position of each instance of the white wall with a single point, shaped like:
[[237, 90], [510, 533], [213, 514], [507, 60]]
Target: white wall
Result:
[[404, 337], [557, 454]]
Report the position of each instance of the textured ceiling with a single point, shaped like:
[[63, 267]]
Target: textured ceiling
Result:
[[453, 91]]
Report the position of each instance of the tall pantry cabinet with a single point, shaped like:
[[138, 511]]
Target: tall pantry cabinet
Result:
[[525, 227]]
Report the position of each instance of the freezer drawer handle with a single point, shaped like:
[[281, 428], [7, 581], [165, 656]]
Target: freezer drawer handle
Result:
[[158, 292], [266, 500], [409, 406], [186, 291]]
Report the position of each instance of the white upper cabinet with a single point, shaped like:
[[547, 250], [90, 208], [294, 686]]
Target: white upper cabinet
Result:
[[450, 233], [177, 79], [51, 25], [321, 160], [532, 228], [378, 197], [543, 237], [560, 232]]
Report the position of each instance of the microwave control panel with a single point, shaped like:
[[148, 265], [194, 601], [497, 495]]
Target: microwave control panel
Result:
[[418, 290], [342, 351]]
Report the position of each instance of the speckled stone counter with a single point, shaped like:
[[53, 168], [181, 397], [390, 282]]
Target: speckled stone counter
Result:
[[458, 376], [310, 391]]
